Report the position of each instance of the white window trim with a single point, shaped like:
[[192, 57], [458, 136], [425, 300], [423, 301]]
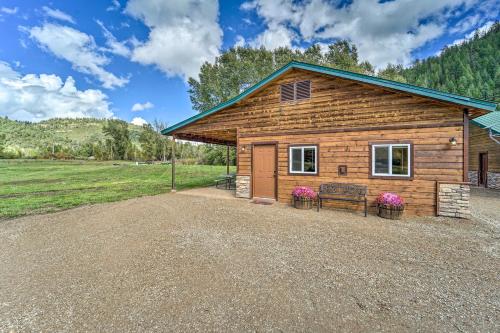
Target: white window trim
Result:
[[302, 160], [390, 146]]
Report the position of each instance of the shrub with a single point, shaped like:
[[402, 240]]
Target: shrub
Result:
[[390, 199], [304, 192]]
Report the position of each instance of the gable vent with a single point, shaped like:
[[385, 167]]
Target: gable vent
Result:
[[303, 90], [287, 92], [295, 91]]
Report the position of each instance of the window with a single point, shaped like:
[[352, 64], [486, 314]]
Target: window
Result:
[[303, 159], [295, 91], [391, 160]]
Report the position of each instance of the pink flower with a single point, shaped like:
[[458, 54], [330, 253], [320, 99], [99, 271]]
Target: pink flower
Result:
[[304, 192], [390, 199]]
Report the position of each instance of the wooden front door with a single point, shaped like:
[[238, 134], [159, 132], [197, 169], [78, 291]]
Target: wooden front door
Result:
[[483, 170], [264, 171]]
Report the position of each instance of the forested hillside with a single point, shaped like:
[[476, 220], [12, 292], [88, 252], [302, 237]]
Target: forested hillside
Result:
[[98, 139], [56, 131], [58, 136], [471, 69]]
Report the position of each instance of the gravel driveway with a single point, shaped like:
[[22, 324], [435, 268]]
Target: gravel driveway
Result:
[[177, 262]]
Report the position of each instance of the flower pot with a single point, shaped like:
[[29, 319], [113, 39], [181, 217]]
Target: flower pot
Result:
[[390, 212], [302, 203]]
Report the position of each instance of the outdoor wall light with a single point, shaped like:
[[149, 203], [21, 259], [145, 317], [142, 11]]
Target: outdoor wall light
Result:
[[453, 141]]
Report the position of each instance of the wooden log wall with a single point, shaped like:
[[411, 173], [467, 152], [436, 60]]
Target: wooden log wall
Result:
[[435, 160], [479, 142], [335, 103], [342, 117]]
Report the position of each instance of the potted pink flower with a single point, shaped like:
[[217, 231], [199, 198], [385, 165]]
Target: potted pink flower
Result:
[[303, 197], [390, 205]]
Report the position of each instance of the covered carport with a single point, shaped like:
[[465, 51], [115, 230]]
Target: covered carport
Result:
[[226, 137]]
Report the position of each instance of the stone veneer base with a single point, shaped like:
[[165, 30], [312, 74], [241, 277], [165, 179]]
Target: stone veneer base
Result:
[[243, 186], [473, 177], [493, 179], [454, 200]]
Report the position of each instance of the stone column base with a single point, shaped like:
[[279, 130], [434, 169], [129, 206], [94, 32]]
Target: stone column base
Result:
[[494, 180], [243, 186], [453, 200], [473, 177]]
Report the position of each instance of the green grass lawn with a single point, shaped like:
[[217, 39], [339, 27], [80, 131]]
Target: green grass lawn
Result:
[[34, 186]]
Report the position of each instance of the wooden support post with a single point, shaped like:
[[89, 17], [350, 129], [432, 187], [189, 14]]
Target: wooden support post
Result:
[[173, 164], [227, 159], [466, 146]]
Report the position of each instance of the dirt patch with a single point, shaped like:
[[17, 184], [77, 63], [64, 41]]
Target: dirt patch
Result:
[[180, 262]]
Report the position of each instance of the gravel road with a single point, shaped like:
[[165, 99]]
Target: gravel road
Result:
[[186, 263]]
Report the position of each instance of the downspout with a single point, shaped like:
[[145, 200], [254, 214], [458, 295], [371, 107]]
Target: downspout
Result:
[[493, 137], [465, 151]]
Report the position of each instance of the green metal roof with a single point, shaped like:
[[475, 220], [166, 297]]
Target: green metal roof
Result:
[[462, 100], [489, 121]]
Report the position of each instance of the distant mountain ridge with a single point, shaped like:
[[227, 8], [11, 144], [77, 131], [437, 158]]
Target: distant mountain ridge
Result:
[[27, 137]]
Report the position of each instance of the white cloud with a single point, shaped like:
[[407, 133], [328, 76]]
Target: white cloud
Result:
[[115, 5], [481, 31], [114, 46], [466, 24], [58, 14], [183, 35], [138, 121], [35, 97], [273, 38], [384, 32], [9, 11], [240, 41], [248, 21], [79, 49], [144, 106], [249, 5]]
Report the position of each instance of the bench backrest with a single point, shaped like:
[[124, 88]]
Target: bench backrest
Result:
[[343, 189]]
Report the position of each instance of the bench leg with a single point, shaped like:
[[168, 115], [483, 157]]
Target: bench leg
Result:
[[366, 207], [319, 204]]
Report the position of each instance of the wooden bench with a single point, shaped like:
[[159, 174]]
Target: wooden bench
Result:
[[342, 192]]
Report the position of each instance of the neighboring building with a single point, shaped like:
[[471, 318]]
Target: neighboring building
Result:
[[484, 151], [307, 125]]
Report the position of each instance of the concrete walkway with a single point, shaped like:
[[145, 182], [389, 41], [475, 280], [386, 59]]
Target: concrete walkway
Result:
[[210, 192]]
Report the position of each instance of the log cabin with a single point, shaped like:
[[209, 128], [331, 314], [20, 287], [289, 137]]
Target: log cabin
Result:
[[484, 151], [305, 125]]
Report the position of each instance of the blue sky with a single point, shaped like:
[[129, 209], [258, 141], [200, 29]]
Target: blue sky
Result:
[[131, 58]]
